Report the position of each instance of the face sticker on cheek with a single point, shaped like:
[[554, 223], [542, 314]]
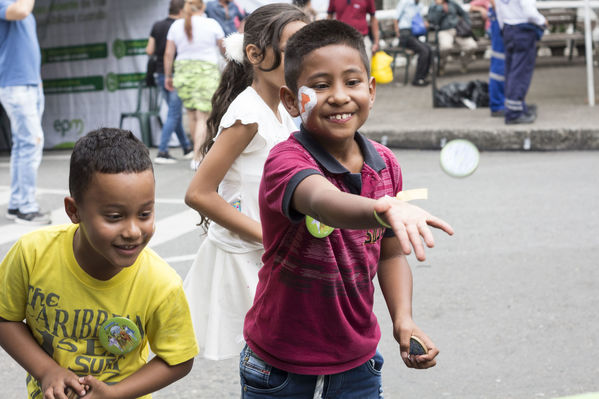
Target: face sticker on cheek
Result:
[[307, 101]]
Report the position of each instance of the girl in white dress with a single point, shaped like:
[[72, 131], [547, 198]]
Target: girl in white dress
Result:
[[221, 283]]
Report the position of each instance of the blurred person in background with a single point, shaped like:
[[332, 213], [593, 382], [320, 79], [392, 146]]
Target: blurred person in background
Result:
[[406, 10], [197, 42], [174, 119], [22, 97], [353, 13], [522, 25], [227, 13], [444, 15]]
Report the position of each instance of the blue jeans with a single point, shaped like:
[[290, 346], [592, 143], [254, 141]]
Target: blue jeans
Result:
[[261, 380], [24, 106], [174, 118]]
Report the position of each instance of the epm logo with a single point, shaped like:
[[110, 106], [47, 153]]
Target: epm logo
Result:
[[64, 126]]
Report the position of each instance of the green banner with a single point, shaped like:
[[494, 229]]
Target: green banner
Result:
[[122, 48], [74, 85], [121, 81], [74, 53], [56, 7]]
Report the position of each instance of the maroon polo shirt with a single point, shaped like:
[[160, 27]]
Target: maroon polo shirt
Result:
[[353, 12], [313, 310]]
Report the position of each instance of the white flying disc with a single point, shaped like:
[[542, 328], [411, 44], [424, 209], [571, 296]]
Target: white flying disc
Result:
[[459, 158]]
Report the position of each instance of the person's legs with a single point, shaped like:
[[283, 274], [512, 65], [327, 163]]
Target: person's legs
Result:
[[446, 38], [424, 57], [199, 135], [259, 380], [174, 118], [467, 45], [368, 47], [496, 70], [497, 81], [362, 382], [520, 50], [191, 118], [24, 106]]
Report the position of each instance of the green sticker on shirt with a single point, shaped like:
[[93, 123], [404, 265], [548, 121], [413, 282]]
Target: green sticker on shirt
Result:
[[318, 229], [119, 335]]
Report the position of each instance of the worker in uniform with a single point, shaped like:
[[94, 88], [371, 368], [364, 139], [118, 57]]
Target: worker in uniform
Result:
[[522, 26]]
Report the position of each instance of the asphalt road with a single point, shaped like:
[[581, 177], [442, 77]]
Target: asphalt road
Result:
[[511, 300]]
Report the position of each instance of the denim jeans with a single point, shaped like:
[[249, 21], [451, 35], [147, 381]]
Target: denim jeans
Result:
[[261, 380], [174, 118], [24, 106]]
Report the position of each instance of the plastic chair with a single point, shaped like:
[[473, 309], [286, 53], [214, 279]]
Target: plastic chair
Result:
[[404, 52], [145, 110]]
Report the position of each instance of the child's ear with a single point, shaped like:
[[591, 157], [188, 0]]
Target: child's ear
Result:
[[289, 101], [372, 90], [70, 207], [254, 54]]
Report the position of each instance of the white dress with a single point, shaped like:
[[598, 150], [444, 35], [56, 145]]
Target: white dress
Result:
[[221, 283]]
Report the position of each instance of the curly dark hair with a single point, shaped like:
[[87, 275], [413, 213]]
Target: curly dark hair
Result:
[[105, 150]]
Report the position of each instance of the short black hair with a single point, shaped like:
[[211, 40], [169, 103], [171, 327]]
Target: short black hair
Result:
[[105, 150], [175, 7], [316, 35]]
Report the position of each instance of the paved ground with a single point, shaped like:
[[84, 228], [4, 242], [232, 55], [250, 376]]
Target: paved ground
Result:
[[510, 300], [405, 114]]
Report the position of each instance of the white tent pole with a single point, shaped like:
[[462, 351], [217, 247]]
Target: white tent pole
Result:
[[589, 53]]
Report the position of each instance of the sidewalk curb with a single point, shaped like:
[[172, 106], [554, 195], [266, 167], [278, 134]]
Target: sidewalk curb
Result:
[[514, 139]]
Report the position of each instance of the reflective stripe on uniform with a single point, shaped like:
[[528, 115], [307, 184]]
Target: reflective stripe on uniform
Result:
[[496, 76]]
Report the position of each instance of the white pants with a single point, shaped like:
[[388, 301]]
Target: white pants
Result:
[[448, 37]]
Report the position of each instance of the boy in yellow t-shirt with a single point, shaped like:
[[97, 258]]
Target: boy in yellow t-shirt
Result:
[[80, 303]]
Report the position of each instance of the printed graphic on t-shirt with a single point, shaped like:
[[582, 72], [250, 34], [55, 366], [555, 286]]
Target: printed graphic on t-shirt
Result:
[[74, 332], [374, 235]]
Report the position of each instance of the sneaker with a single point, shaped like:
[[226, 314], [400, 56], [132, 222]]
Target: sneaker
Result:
[[33, 218], [523, 118], [188, 153], [194, 164], [500, 113], [164, 158], [420, 82], [532, 109], [11, 214]]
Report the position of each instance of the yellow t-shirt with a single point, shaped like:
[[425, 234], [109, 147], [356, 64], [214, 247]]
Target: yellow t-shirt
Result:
[[42, 283]]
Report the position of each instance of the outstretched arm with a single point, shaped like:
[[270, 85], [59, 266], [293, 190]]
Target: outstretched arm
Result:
[[17, 340], [19, 10], [156, 374], [395, 279], [319, 198]]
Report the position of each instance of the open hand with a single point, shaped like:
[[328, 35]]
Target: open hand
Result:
[[409, 223]]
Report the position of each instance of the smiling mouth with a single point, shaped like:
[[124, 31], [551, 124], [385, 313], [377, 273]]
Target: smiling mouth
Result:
[[340, 117], [129, 247]]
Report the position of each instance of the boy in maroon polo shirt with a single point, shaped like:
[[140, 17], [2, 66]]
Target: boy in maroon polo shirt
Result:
[[311, 331]]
